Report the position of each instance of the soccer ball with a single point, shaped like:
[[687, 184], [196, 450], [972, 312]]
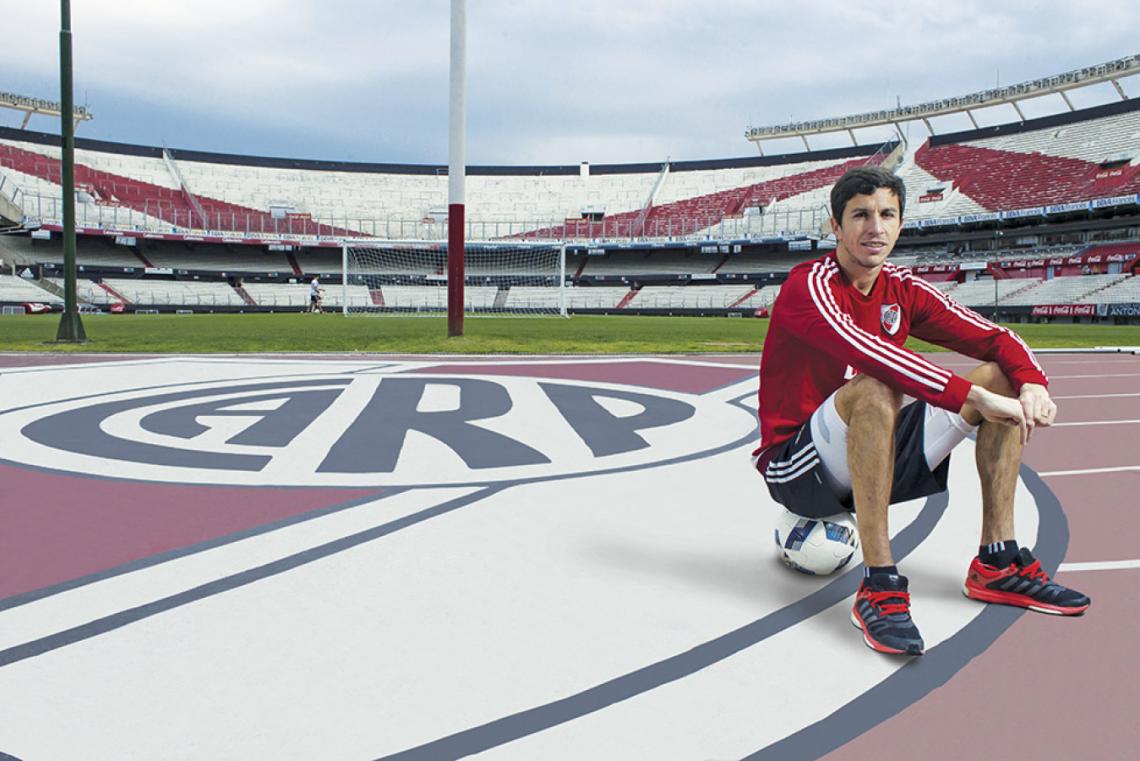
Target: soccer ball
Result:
[[816, 545]]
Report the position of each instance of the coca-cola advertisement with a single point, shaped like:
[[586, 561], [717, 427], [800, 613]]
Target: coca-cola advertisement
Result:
[[1064, 310]]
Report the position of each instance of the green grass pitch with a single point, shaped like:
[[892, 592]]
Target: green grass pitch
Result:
[[334, 333]]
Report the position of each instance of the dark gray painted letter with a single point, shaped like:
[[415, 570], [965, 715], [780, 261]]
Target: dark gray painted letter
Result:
[[604, 432], [276, 428], [373, 442], [80, 430]]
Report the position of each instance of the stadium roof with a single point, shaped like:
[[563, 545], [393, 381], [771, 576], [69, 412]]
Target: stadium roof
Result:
[[39, 106], [1058, 84]]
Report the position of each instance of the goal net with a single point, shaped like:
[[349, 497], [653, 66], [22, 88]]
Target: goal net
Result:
[[503, 279]]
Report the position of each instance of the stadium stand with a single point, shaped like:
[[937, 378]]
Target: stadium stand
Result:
[[91, 257], [28, 181], [1062, 159], [692, 297], [221, 259], [638, 263], [174, 205], [173, 292], [1122, 291], [981, 292], [761, 298], [291, 295], [1001, 180], [773, 261], [1060, 290], [635, 263], [1112, 249], [416, 297], [698, 213], [358, 296], [712, 235], [1054, 160], [942, 256], [89, 292], [143, 188], [526, 297], [928, 196], [17, 290], [1089, 140]]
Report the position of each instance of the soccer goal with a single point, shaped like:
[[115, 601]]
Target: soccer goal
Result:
[[501, 279]]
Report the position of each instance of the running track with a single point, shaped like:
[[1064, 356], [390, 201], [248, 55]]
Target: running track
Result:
[[1048, 688]]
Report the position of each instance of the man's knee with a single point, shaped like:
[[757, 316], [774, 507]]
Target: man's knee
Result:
[[990, 376], [867, 395]]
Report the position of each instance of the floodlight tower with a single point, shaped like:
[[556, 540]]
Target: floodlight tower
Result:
[[70, 326], [456, 169]]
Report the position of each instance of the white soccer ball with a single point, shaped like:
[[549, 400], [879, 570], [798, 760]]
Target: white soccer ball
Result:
[[816, 545]]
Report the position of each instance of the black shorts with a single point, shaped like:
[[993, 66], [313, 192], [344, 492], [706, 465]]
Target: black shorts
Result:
[[808, 493]]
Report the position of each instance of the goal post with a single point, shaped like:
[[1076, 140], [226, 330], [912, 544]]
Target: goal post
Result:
[[344, 279], [412, 277]]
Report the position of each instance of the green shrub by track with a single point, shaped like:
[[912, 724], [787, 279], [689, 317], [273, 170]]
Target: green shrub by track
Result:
[[292, 332]]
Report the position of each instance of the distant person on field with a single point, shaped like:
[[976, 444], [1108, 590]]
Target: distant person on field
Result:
[[316, 294], [837, 433]]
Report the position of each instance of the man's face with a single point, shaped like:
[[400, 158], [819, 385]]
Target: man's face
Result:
[[869, 229]]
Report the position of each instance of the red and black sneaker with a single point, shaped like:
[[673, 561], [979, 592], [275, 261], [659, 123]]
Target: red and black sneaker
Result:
[[882, 611], [1024, 584]]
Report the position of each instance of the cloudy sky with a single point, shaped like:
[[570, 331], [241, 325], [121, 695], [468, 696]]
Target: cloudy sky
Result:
[[548, 82]]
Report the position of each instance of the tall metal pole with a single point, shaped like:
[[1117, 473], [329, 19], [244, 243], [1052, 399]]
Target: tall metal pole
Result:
[[70, 326], [456, 168]]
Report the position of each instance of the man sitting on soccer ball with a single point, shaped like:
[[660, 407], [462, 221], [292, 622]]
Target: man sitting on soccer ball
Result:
[[835, 434]]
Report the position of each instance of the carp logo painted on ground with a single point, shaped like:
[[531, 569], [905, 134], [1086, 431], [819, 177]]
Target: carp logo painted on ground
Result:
[[363, 430], [613, 600]]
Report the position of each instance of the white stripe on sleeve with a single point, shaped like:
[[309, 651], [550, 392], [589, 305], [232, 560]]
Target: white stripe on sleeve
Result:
[[909, 365]]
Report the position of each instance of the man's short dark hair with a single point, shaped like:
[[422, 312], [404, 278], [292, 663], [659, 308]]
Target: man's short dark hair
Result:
[[864, 180]]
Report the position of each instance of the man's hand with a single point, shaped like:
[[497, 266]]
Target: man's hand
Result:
[[1039, 409], [1000, 409]]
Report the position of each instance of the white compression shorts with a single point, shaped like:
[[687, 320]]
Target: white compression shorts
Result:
[[942, 431]]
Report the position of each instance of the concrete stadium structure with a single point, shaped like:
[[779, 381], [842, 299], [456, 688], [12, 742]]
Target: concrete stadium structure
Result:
[[1043, 195]]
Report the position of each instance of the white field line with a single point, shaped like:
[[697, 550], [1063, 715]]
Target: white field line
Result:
[[1089, 471], [1125, 350], [1094, 422], [1099, 361], [1107, 565], [1093, 396], [1097, 375]]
